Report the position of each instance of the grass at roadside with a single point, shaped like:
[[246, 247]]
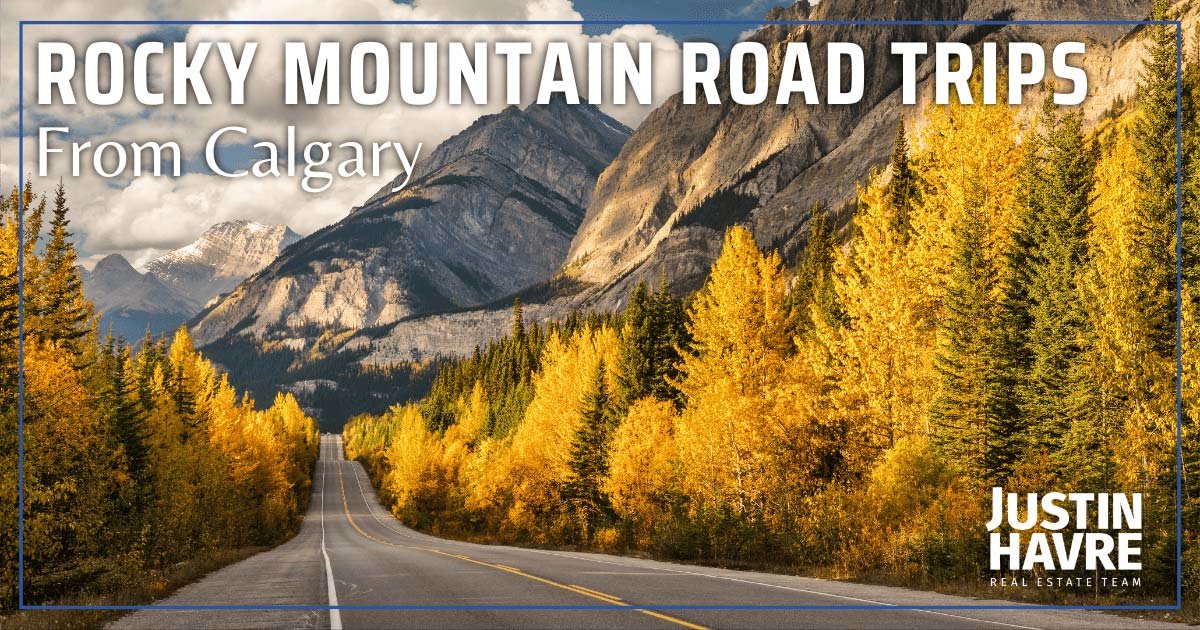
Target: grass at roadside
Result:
[[144, 589]]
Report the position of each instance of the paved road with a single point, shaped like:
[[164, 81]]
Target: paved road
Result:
[[352, 552]]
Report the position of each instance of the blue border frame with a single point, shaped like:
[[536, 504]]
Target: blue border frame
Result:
[[21, 605]]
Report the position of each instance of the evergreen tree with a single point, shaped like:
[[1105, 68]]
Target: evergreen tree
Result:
[[1154, 135], [672, 341], [653, 333], [125, 417], [63, 313], [1014, 317], [814, 290], [182, 398], [635, 367], [1056, 235], [589, 460], [518, 320], [149, 358], [973, 414], [902, 190]]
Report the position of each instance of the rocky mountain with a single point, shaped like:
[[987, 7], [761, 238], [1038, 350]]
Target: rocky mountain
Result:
[[132, 302], [688, 172], [223, 256], [177, 284], [432, 270], [492, 210]]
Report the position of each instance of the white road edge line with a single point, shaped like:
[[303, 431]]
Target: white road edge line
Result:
[[371, 510], [335, 615], [788, 588]]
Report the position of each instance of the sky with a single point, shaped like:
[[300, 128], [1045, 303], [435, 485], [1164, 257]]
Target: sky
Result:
[[681, 10], [143, 217]]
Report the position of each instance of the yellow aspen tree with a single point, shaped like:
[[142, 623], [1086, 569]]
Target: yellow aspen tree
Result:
[[966, 157], [64, 489], [731, 383], [814, 441], [532, 467], [459, 444], [413, 466], [1134, 383], [881, 360], [300, 441], [642, 467]]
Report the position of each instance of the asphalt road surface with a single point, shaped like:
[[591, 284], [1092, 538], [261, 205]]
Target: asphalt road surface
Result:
[[352, 553]]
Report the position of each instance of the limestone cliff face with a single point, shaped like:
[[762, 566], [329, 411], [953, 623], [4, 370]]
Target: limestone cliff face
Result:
[[432, 269], [490, 211], [688, 172], [691, 171]]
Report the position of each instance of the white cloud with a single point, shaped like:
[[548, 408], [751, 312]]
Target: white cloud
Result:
[[146, 215]]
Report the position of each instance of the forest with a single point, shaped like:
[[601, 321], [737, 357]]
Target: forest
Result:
[[1003, 310], [135, 462]]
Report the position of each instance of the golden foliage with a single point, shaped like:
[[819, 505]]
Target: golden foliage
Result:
[[643, 466], [133, 461], [822, 448], [731, 382]]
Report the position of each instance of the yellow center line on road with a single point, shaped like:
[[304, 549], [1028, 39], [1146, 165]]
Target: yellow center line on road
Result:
[[595, 592], [579, 590]]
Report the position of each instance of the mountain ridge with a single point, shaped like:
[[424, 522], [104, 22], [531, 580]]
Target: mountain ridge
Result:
[[130, 302], [660, 224], [492, 210], [767, 166], [221, 257], [176, 285]]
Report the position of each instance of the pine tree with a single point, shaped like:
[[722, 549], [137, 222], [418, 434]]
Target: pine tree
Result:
[[903, 192], [63, 313], [1057, 228], [589, 454], [971, 416], [654, 331], [1154, 135], [1014, 317], [183, 398], [125, 417], [635, 368], [518, 320], [673, 341], [149, 359], [814, 291]]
